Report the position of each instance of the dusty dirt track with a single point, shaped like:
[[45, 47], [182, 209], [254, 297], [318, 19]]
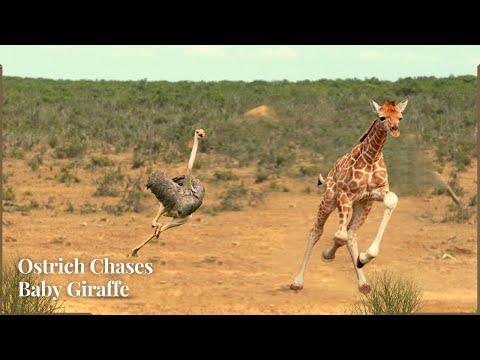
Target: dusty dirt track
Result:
[[241, 262]]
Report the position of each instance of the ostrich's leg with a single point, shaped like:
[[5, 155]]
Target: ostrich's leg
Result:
[[359, 214], [390, 200], [161, 210], [173, 223], [327, 205]]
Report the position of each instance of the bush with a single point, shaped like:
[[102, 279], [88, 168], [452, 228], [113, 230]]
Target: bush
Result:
[[260, 176], [131, 199], [226, 175], [12, 303], [110, 184], [9, 194], [309, 171], [74, 148], [88, 208], [100, 161], [15, 153], [391, 295], [232, 198], [66, 177], [35, 162]]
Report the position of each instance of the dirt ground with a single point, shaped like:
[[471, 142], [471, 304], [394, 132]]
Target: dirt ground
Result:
[[238, 262]]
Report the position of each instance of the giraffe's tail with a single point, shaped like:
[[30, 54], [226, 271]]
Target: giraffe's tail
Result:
[[320, 180]]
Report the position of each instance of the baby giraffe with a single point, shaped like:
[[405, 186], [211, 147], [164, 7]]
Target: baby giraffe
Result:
[[357, 180]]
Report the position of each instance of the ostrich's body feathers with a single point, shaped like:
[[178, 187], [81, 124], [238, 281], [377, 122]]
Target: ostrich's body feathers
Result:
[[178, 201]]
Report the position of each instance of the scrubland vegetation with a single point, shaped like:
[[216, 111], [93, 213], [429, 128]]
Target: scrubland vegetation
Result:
[[315, 122]]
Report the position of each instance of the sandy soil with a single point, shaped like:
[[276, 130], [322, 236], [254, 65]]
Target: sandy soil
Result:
[[238, 262]]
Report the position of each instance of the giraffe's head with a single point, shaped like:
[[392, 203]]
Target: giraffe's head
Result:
[[389, 114], [199, 133]]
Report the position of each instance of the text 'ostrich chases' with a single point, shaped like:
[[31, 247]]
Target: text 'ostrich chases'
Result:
[[179, 197]]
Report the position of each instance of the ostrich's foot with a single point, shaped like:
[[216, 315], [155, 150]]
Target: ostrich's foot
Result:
[[134, 253], [364, 288], [158, 230]]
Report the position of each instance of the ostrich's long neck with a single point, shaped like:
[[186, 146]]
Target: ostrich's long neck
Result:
[[188, 179]]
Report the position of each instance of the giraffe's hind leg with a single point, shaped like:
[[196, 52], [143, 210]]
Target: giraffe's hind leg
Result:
[[341, 236], [359, 214], [327, 205]]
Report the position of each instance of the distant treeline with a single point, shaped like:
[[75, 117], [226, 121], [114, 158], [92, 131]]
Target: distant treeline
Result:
[[316, 121]]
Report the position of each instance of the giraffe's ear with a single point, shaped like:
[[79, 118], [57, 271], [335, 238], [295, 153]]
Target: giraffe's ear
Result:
[[402, 105], [375, 106]]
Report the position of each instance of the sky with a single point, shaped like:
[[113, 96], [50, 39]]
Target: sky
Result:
[[237, 62]]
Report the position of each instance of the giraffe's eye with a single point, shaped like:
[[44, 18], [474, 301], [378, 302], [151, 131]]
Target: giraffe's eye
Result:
[[400, 118], [382, 118]]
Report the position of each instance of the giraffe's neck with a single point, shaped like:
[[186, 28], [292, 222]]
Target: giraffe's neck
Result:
[[372, 145]]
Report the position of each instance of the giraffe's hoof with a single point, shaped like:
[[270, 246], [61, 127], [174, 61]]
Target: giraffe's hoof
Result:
[[364, 288], [359, 263], [294, 286], [325, 258]]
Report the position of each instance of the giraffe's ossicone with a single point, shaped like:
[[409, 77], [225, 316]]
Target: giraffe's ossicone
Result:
[[357, 180]]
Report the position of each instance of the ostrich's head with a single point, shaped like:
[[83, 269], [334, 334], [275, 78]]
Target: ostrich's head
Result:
[[199, 133]]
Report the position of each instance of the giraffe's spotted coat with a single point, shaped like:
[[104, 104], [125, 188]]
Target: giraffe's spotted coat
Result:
[[355, 181]]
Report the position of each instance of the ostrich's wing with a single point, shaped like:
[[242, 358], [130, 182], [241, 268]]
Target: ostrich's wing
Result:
[[165, 189], [198, 191], [179, 180]]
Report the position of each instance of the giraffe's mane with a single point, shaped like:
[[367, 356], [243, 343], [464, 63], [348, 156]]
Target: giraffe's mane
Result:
[[368, 131]]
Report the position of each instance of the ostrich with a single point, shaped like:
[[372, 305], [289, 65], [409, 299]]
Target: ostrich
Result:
[[179, 197]]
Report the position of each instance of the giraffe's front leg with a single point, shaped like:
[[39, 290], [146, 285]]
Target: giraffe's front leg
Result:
[[390, 201], [341, 236]]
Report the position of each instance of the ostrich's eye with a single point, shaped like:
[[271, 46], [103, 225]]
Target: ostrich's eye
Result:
[[382, 118]]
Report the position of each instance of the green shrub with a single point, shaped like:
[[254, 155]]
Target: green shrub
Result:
[[74, 147], [9, 194], [12, 303], [231, 200], [309, 171], [260, 176], [88, 208], [15, 153], [100, 161], [226, 175], [110, 184], [35, 162], [66, 177], [391, 295]]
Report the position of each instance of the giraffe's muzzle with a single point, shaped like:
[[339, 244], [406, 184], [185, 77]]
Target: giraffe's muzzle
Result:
[[394, 130]]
